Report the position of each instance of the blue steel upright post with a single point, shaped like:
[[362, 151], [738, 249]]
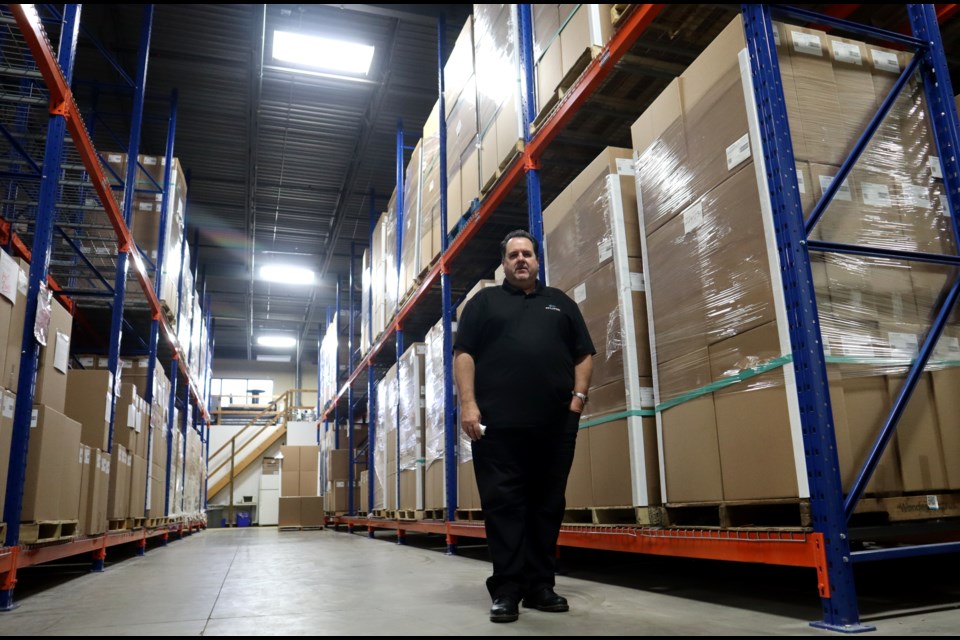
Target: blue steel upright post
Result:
[[528, 107], [451, 434], [133, 150], [840, 611], [42, 245], [399, 336], [371, 378]]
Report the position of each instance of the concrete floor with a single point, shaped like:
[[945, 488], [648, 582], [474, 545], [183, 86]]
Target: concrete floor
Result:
[[264, 582]]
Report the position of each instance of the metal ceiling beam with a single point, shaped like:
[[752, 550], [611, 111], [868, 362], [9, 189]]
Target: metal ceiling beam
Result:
[[250, 222]]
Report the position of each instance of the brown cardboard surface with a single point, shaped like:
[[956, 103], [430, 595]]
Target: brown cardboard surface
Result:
[[51, 439], [466, 486], [549, 72], [434, 485], [308, 483], [11, 373], [946, 392], [311, 511], [290, 483], [922, 464], [7, 405], [854, 84], [610, 470], [138, 487], [86, 459], [118, 498], [364, 491], [289, 512], [51, 387], [84, 387], [6, 313], [868, 402], [309, 457], [408, 489], [691, 452], [291, 458]]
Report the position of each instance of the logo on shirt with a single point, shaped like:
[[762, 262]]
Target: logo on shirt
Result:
[[551, 307]]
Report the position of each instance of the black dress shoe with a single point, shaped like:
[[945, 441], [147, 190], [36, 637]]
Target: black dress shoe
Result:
[[546, 600], [504, 609]]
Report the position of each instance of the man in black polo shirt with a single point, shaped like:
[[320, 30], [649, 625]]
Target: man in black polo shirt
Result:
[[522, 362]]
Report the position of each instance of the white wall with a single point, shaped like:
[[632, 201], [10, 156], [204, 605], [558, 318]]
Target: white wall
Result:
[[284, 375]]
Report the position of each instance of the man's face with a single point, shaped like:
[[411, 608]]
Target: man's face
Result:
[[520, 264]]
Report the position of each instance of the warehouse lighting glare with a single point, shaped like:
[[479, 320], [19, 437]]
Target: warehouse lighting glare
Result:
[[286, 274], [277, 341], [322, 53]]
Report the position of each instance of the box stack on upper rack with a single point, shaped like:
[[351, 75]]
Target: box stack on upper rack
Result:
[[728, 418]]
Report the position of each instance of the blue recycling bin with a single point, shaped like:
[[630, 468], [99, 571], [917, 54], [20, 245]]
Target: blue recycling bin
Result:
[[243, 518]]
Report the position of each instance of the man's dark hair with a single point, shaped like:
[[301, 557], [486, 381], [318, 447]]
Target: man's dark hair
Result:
[[519, 233]]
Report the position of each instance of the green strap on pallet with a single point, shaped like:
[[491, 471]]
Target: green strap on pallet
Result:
[[723, 383]]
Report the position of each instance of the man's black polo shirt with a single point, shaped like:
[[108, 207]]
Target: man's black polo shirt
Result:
[[524, 347]]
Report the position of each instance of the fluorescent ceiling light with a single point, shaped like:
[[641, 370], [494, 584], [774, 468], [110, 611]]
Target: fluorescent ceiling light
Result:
[[286, 274], [322, 53], [268, 357], [277, 341]]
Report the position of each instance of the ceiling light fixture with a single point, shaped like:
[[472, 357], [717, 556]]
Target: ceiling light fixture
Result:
[[273, 357], [284, 342], [322, 53], [286, 274]]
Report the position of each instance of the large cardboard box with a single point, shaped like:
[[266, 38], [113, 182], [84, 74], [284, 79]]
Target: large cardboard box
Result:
[[51, 388], [88, 401], [467, 494], [54, 439], [308, 483], [579, 491], [138, 487], [435, 485], [613, 476], [946, 384], [11, 373], [289, 512], [867, 402], [922, 464], [93, 497], [72, 481], [118, 497], [687, 433], [311, 511], [7, 407]]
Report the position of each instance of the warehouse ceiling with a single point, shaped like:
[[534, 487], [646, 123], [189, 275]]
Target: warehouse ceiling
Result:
[[289, 166]]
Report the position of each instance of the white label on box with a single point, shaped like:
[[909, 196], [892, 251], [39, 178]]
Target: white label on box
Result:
[[86, 362], [146, 206], [886, 61], [149, 160], [625, 167], [101, 251], [806, 43], [605, 249], [935, 169], [903, 344], [646, 397], [453, 325], [61, 352], [421, 349], [944, 207], [692, 217], [131, 416], [580, 293], [636, 282], [127, 364], [9, 404], [948, 348], [340, 484], [738, 151], [932, 503], [843, 193], [9, 275], [114, 157], [897, 301], [876, 195], [106, 413], [22, 281], [86, 456], [34, 417], [919, 196], [826, 344], [143, 364], [846, 52], [801, 185], [776, 37]]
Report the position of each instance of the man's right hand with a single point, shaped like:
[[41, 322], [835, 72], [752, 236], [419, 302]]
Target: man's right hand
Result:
[[470, 420]]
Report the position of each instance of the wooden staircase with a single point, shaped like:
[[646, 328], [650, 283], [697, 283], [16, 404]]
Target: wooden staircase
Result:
[[248, 446]]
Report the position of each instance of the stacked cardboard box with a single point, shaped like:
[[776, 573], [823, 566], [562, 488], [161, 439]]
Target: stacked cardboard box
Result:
[[729, 427], [52, 483], [460, 98], [593, 253], [434, 418], [299, 482], [410, 382], [385, 446], [563, 34]]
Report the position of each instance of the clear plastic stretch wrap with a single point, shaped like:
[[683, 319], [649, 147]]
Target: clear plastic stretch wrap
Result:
[[410, 240], [430, 189], [380, 445], [593, 253], [390, 272], [411, 383], [377, 277], [719, 333], [365, 308], [328, 363], [433, 394], [391, 406]]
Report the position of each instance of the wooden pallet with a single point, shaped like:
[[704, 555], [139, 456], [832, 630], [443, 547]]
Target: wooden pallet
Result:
[[138, 523], [786, 513], [469, 515], [566, 83], [620, 11], [119, 524], [644, 516], [504, 166], [47, 531], [434, 514], [907, 508]]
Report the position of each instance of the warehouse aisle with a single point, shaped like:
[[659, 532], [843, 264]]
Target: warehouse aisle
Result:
[[264, 582]]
